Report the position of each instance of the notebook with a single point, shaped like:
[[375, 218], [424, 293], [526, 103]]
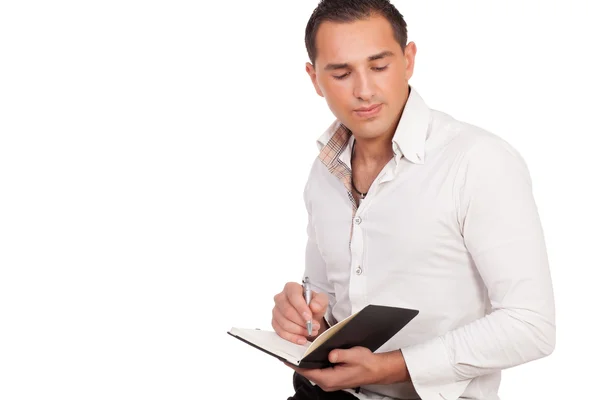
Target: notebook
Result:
[[371, 327]]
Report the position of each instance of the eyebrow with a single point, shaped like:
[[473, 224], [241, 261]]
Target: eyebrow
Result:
[[383, 54]]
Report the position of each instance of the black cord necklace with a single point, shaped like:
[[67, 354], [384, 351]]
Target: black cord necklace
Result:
[[361, 194]]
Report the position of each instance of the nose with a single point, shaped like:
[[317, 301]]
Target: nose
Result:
[[364, 87]]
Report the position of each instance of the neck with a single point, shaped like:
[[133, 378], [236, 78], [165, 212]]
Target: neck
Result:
[[377, 150], [373, 151]]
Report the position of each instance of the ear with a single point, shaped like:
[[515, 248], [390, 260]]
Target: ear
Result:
[[410, 52], [310, 70]]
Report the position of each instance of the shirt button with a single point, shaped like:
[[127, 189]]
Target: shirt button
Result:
[[358, 270], [357, 220]]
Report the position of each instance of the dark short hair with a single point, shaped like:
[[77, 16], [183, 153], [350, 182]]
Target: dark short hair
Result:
[[350, 11]]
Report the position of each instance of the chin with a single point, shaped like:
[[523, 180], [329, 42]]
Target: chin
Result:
[[370, 129]]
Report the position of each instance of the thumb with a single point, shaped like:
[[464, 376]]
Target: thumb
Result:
[[350, 356], [318, 305]]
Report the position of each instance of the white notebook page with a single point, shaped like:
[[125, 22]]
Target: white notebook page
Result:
[[274, 343]]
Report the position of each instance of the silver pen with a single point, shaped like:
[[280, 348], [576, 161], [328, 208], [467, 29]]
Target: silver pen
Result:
[[307, 294]]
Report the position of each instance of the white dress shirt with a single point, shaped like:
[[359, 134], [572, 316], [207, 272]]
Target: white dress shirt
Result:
[[450, 228]]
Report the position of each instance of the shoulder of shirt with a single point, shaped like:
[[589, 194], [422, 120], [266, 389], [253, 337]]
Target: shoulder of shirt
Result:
[[468, 140], [317, 169]]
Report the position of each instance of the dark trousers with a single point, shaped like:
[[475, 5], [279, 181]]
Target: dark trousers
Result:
[[307, 391]]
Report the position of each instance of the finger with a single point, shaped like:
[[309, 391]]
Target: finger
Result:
[[288, 311], [293, 327], [286, 324], [296, 299], [349, 356], [286, 308], [291, 337], [292, 366], [328, 379]]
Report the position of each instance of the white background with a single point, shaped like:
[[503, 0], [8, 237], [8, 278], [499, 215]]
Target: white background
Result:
[[152, 160]]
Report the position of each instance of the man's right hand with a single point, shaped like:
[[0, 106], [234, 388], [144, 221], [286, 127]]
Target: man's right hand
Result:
[[291, 312]]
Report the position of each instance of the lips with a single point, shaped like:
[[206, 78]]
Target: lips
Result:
[[365, 112]]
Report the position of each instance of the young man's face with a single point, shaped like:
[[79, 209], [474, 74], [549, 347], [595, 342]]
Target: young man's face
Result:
[[363, 74]]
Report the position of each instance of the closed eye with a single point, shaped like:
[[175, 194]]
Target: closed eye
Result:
[[378, 69], [341, 76]]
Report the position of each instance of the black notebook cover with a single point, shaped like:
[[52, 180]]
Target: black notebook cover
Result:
[[371, 328]]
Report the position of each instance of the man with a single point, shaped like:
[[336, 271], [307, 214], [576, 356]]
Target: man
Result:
[[408, 207]]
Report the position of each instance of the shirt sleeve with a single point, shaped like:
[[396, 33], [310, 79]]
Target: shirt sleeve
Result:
[[315, 267], [501, 228]]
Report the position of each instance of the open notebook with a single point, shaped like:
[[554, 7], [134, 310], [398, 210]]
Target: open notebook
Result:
[[370, 327]]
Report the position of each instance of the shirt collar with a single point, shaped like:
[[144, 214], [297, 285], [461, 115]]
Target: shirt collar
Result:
[[411, 133]]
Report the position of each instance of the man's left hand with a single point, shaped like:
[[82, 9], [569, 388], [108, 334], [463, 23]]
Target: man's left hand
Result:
[[356, 367]]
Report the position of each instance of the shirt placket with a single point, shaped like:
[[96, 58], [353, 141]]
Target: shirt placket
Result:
[[330, 157]]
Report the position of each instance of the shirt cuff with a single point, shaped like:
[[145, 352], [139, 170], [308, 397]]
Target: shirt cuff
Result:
[[431, 372]]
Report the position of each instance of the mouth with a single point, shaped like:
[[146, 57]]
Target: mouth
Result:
[[367, 112]]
